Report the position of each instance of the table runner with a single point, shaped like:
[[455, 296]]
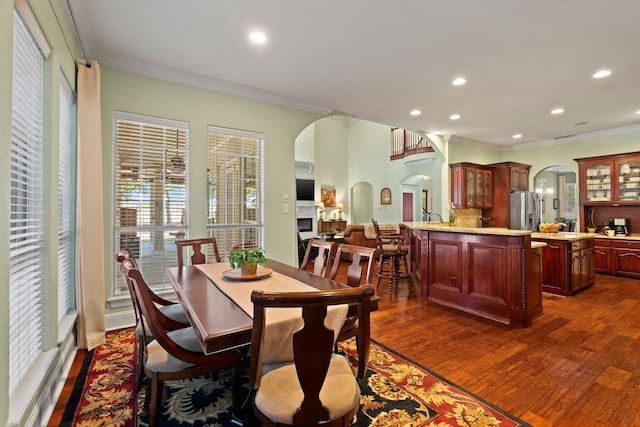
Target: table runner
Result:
[[280, 323]]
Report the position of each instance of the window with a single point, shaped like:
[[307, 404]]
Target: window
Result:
[[27, 215], [150, 199], [66, 185], [235, 190]]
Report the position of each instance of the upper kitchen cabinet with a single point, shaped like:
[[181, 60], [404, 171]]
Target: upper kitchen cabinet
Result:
[[471, 185], [507, 177], [610, 179]]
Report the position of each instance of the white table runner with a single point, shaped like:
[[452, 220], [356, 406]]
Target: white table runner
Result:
[[280, 323]]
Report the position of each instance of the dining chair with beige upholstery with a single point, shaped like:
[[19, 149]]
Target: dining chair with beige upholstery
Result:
[[347, 268], [317, 386], [324, 252], [174, 355], [199, 249], [171, 315]]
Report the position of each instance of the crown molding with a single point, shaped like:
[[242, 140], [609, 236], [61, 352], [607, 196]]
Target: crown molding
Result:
[[209, 83]]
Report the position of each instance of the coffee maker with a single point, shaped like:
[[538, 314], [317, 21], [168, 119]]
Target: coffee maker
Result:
[[620, 226]]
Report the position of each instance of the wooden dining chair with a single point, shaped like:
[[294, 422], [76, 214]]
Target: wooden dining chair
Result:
[[317, 387], [198, 247], [174, 355], [347, 268], [170, 314], [319, 256]]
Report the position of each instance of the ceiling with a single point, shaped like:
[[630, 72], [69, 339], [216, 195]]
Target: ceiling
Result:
[[378, 60]]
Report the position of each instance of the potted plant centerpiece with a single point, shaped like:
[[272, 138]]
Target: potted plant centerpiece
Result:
[[247, 260]]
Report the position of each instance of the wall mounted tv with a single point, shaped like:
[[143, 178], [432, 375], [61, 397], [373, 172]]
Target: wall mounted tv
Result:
[[305, 189]]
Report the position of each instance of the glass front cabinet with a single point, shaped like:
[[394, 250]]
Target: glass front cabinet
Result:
[[610, 179], [471, 185]]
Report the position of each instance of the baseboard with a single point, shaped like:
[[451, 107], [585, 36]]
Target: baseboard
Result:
[[120, 320]]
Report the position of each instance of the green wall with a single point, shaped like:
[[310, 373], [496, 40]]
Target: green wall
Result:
[[123, 91]]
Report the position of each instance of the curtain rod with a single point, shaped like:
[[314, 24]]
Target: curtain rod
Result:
[[75, 26]]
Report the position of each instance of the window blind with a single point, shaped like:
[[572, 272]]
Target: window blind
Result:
[[65, 200], [26, 217], [235, 210], [150, 198]]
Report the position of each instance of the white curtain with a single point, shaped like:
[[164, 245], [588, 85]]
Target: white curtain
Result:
[[90, 269]]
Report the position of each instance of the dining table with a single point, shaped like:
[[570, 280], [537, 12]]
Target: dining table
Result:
[[218, 320]]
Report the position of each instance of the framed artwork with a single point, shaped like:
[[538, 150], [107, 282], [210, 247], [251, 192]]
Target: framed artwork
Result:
[[328, 197], [385, 196]]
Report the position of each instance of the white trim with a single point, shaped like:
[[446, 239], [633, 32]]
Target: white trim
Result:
[[32, 24], [150, 120], [235, 132]]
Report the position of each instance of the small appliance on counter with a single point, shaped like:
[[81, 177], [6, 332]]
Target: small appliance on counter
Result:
[[620, 226]]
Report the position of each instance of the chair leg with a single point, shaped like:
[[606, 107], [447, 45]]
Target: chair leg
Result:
[[156, 400], [139, 363]]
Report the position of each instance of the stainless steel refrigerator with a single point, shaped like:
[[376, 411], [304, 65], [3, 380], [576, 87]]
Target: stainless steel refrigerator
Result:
[[526, 210]]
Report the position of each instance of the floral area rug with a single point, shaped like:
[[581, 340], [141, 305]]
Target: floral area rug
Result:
[[395, 392]]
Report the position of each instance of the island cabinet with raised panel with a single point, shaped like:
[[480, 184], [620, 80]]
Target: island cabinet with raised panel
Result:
[[568, 262], [492, 273]]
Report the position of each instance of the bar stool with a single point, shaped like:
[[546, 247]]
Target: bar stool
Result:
[[392, 264]]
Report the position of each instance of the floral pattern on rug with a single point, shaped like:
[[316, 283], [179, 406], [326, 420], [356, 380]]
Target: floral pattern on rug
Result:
[[107, 399], [400, 393], [394, 393]]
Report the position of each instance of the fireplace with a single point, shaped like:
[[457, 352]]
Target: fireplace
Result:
[[306, 221]]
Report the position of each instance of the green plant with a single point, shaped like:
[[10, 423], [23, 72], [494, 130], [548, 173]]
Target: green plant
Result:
[[452, 213], [251, 255]]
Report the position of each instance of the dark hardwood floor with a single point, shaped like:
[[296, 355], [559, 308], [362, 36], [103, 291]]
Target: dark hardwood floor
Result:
[[576, 366]]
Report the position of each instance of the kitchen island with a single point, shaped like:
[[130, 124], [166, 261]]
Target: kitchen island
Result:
[[567, 262], [490, 272]]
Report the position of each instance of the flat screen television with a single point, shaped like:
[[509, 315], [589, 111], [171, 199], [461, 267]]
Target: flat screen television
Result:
[[305, 189]]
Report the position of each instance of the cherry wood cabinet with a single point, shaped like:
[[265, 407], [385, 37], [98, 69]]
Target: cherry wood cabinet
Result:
[[471, 185], [507, 177], [626, 258], [610, 179], [602, 256], [610, 188], [495, 276], [567, 265]]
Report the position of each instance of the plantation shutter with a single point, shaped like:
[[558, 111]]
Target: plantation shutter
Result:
[[26, 210], [235, 209], [150, 199], [66, 276]]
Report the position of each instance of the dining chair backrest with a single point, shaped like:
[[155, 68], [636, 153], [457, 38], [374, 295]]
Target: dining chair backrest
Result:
[[349, 260], [323, 251], [313, 356], [199, 249]]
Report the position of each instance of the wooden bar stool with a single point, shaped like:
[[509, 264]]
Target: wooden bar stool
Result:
[[392, 264]]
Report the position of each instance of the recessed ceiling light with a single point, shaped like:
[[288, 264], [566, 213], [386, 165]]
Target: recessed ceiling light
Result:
[[416, 112], [454, 116], [601, 73], [557, 111], [638, 112], [258, 37], [459, 81], [517, 136]]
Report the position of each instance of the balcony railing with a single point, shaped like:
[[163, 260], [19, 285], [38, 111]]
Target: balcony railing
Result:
[[405, 142]]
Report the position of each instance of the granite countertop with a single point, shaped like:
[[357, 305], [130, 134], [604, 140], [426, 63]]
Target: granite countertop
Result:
[[564, 236], [444, 226], [627, 237], [535, 245]]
